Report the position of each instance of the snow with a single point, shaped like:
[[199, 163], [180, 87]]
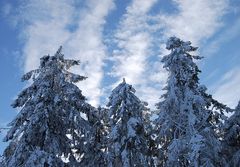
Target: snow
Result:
[[185, 125], [57, 127], [127, 140], [39, 132]]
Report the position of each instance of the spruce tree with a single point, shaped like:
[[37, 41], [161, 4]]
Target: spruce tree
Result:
[[128, 143], [186, 125], [152, 151], [231, 140], [49, 127], [96, 155]]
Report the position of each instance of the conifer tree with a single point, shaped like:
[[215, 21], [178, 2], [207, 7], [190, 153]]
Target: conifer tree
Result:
[[128, 144], [49, 126], [150, 135], [96, 155], [231, 140], [186, 125]]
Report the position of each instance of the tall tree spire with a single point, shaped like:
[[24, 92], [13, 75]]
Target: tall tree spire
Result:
[[49, 125], [128, 144], [186, 125]]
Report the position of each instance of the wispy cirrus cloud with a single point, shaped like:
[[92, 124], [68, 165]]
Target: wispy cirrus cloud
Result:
[[44, 28], [195, 21], [138, 50], [87, 44], [49, 24], [227, 90], [227, 35], [198, 22], [134, 41]]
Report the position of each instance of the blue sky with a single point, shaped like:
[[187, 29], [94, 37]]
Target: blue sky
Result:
[[116, 39]]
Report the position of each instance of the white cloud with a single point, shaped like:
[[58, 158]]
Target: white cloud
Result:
[[132, 58], [46, 28], [46, 25], [135, 38], [194, 21], [87, 44], [199, 21], [227, 90], [134, 41], [231, 32]]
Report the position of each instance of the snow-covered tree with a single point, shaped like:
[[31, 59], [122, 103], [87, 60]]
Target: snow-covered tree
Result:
[[49, 127], [152, 152], [186, 125], [231, 142], [96, 155], [128, 143]]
